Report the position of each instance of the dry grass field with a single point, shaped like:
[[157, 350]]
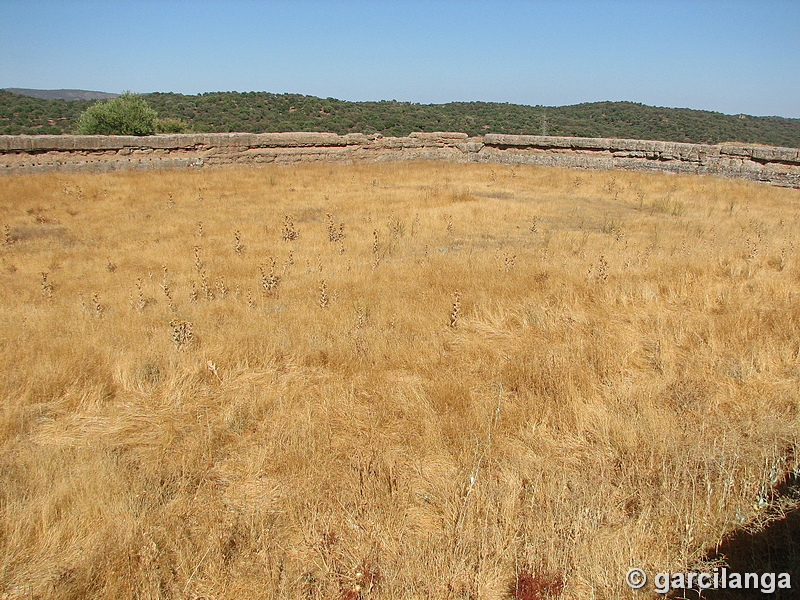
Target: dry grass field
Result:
[[392, 381]]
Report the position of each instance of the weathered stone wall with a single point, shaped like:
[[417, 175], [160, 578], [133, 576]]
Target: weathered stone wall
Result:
[[23, 153]]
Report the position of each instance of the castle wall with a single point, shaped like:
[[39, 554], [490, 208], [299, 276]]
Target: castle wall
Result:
[[73, 153]]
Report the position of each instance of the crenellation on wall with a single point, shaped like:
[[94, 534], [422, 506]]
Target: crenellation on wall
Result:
[[25, 153]]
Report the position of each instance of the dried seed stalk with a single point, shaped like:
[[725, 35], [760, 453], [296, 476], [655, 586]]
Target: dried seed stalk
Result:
[[324, 299], [455, 313], [289, 231], [269, 281], [47, 287], [182, 334], [97, 308]]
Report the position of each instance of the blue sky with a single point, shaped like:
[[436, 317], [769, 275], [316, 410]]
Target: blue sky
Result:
[[728, 56]]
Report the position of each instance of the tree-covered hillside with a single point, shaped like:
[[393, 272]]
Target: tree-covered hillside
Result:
[[264, 112], [25, 114]]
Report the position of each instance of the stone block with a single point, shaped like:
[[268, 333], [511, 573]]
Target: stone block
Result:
[[769, 154], [734, 150], [299, 139], [438, 135], [504, 139], [355, 139], [470, 147]]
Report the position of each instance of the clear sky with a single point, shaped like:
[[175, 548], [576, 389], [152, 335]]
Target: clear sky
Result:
[[728, 56]]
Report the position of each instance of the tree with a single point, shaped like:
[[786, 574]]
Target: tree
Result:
[[127, 114], [171, 125]]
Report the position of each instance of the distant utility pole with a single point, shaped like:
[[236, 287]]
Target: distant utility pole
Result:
[[544, 123]]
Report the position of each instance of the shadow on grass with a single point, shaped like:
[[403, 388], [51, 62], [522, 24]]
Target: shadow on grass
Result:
[[773, 549]]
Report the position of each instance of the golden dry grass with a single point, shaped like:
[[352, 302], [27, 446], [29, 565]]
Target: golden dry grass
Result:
[[497, 370]]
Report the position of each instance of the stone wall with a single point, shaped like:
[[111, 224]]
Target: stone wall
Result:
[[71, 153]]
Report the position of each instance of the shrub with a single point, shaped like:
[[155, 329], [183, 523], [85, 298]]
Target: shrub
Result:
[[127, 114], [171, 125]]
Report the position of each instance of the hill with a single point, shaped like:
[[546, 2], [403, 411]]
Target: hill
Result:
[[257, 112], [62, 94]]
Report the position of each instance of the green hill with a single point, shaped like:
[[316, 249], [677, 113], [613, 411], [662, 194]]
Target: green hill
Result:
[[26, 114], [264, 112], [63, 94]]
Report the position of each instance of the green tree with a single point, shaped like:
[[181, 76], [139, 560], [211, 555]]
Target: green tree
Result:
[[171, 125], [127, 114]]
